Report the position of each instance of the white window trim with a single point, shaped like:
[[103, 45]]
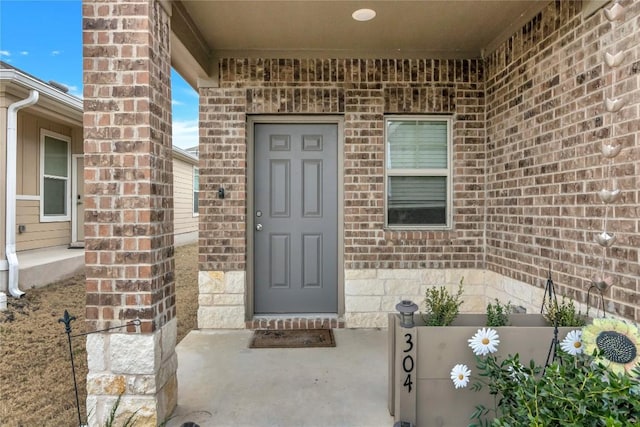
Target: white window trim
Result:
[[193, 191], [73, 196], [421, 172], [55, 218], [27, 197]]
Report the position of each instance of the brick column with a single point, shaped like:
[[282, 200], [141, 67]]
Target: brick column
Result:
[[129, 210]]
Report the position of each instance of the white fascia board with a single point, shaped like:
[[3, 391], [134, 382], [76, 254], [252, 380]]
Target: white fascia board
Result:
[[8, 76], [185, 156]]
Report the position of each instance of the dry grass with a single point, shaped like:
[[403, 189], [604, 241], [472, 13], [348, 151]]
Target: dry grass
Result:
[[36, 385]]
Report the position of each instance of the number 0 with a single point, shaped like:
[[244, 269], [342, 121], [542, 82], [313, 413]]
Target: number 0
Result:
[[406, 359]]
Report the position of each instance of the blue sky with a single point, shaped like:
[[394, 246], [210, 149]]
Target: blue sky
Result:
[[44, 39]]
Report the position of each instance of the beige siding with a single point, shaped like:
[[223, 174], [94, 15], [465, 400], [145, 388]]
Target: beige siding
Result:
[[38, 234], [184, 220], [29, 128]]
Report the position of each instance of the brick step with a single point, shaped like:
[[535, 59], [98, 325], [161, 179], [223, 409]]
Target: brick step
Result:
[[295, 322]]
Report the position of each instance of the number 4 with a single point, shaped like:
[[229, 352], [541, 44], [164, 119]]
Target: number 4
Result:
[[408, 383]]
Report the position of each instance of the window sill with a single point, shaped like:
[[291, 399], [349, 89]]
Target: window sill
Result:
[[418, 228], [55, 218]]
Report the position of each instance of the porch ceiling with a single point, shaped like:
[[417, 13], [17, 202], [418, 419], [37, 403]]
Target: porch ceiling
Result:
[[204, 31]]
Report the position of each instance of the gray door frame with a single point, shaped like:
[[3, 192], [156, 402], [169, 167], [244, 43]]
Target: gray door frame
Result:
[[77, 199], [251, 122]]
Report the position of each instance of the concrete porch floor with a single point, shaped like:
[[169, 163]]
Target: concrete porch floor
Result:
[[222, 382], [40, 267]]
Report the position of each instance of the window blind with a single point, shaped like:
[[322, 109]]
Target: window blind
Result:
[[417, 145], [417, 191]]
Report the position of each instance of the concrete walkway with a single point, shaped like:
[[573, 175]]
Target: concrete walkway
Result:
[[40, 267], [222, 382]]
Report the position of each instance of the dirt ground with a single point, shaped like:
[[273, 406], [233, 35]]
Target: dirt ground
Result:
[[36, 384]]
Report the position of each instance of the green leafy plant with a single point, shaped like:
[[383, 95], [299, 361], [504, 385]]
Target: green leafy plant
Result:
[[441, 306], [498, 313], [129, 421], [573, 391], [564, 313], [594, 380], [111, 421]]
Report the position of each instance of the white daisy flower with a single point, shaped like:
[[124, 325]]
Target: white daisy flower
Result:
[[572, 343], [516, 372], [485, 341], [460, 375]]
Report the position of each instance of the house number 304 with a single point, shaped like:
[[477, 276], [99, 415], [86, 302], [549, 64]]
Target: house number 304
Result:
[[407, 363]]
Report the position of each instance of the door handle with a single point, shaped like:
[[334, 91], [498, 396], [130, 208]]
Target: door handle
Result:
[[259, 227]]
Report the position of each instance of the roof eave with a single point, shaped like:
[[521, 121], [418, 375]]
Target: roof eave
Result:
[[58, 101]]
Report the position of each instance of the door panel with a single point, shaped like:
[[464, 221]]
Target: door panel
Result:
[[279, 190], [296, 218], [311, 260], [312, 188], [279, 256]]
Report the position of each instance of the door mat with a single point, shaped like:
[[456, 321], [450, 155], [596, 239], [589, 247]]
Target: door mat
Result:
[[292, 338]]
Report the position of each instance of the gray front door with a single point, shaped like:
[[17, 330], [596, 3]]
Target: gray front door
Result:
[[295, 218]]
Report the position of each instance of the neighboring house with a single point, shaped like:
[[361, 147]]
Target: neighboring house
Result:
[[41, 145], [47, 142], [185, 196]]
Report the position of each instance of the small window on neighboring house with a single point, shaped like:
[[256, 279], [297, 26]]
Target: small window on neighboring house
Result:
[[55, 167], [196, 190], [418, 172]]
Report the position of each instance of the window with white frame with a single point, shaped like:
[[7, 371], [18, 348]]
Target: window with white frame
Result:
[[196, 190], [55, 182], [418, 172]]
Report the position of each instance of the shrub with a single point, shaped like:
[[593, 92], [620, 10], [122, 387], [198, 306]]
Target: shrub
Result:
[[565, 314], [498, 313], [441, 306]]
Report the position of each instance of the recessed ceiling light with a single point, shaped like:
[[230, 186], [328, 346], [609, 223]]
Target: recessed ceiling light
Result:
[[364, 14]]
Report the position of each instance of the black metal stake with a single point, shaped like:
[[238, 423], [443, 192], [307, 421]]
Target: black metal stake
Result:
[[550, 290], [67, 319], [553, 299], [551, 355]]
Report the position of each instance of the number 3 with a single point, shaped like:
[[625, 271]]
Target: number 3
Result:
[[408, 341]]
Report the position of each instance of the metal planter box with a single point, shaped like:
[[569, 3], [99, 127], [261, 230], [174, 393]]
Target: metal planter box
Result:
[[420, 361]]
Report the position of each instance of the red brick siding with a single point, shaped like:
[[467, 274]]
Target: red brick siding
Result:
[[128, 168], [546, 122], [361, 91], [295, 323], [223, 160]]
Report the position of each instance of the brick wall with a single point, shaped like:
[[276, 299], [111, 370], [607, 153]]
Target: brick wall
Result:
[[535, 164], [362, 91], [546, 122], [223, 159]]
